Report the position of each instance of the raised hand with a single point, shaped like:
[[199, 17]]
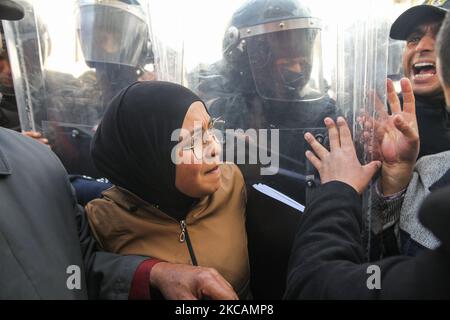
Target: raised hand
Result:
[[394, 139], [400, 140], [341, 162]]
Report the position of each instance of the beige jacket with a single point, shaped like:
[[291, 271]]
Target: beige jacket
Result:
[[123, 223]]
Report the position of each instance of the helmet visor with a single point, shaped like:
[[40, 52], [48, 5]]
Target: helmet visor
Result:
[[109, 34], [287, 65]]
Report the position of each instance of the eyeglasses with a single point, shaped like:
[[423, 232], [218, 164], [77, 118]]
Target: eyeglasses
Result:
[[200, 139]]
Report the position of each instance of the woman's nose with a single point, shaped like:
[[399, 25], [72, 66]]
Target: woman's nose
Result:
[[214, 148]]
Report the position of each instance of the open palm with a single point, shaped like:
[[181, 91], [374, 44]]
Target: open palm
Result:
[[395, 137]]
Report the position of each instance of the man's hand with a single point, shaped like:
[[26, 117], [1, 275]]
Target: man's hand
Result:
[[36, 135], [185, 282], [394, 139], [341, 162]]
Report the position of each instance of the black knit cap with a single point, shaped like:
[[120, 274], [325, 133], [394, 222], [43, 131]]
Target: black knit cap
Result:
[[415, 16], [9, 10]]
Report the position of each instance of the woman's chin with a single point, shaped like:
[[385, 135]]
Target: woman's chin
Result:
[[212, 186]]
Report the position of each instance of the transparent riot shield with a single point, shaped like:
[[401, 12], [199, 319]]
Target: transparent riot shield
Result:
[[273, 70], [68, 59], [276, 69]]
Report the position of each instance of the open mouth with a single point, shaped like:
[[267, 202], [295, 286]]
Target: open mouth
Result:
[[423, 70]]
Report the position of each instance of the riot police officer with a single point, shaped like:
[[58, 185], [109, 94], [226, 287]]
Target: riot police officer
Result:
[[64, 83], [115, 40], [270, 77]]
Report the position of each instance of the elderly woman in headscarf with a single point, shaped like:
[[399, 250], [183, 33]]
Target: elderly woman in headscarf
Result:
[[172, 199]]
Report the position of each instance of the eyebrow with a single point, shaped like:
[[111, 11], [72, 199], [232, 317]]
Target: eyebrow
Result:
[[422, 29], [417, 31]]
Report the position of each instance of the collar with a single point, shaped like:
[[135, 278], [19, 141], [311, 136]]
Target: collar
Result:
[[444, 181], [132, 203]]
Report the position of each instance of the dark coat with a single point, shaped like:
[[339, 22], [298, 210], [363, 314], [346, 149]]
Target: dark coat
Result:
[[43, 231], [327, 260], [434, 125]]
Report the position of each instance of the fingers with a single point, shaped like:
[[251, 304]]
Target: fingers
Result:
[[219, 278], [43, 141], [370, 169], [36, 135], [186, 282], [409, 104], [345, 134], [373, 165], [393, 99], [407, 130], [313, 159], [368, 125], [366, 175], [216, 291], [371, 128], [318, 149], [184, 295], [339, 136], [333, 134], [214, 286], [367, 137], [33, 134]]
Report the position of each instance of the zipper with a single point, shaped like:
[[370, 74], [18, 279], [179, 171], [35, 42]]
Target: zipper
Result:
[[184, 237]]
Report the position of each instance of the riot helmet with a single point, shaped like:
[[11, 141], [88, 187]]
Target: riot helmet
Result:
[[276, 45], [115, 38]]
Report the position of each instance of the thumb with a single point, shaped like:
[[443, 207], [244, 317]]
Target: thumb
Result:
[[371, 168]]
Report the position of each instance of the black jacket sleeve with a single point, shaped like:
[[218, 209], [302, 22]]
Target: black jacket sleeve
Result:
[[108, 275], [327, 260]]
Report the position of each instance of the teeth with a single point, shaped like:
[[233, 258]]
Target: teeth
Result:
[[426, 75], [423, 64]]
